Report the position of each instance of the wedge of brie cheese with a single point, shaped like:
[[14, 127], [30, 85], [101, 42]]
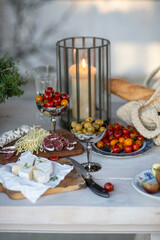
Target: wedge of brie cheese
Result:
[[45, 167], [41, 177], [15, 168], [26, 172]]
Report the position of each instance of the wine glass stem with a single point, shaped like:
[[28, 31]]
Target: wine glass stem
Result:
[[89, 155], [53, 124]]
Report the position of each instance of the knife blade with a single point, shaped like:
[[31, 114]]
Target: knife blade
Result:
[[94, 187]]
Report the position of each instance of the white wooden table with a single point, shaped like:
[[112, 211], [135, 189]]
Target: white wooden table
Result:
[[81, 211]]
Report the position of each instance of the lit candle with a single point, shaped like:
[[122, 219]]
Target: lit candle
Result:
[[83, 90]]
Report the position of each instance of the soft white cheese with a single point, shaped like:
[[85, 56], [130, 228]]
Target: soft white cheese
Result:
[[40, 160], [15, 168], [41, 177], [26, 172], [45, 167]]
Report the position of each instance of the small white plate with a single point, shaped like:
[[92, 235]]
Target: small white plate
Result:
[[145, 176]]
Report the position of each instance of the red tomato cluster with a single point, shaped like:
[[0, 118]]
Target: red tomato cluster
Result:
[[119, 138], [52, 99]]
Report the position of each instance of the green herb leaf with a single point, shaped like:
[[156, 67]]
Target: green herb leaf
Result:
[[53, 178]]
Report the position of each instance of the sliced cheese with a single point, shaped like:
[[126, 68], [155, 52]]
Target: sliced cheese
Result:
[[45, 167], [40, 160], [41, 177], [15, 168], [26, 172]]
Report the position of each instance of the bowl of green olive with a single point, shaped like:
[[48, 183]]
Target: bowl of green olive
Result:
[[89, 130]]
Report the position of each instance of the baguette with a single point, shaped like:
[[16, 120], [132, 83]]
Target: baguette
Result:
[[130, 91]]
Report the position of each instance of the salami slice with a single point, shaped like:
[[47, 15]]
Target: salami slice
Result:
[[58, 145], [47, 144], [55, 136], [8, 155]]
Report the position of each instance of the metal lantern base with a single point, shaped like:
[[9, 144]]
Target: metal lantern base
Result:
[[93, 167]]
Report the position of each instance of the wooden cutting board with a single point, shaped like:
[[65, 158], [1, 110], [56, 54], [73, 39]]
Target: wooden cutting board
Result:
[[63, 153], [73, 181]]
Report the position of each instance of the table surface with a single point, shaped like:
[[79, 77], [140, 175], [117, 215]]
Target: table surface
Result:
[[125, 211]]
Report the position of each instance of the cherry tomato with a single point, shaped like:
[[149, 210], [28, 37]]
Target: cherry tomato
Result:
[[125, 131], [128, 142], [109, 127], [105, 135], [38, 98], [47, 96], [135, 146], [100, 144], [121, 140], [141, 138], [128, 149], [139, 142], [64, 102], [57, 94], [117, 134], [49, 89], [120, 145], [110, 132], [49, 103], [113, 142], [65, 96], [131, 128], [125, 136], [54, 158], [111, 137], [56, 101], [115, 149], [116, 126], [109, 187], [106, 143], [133, 134]]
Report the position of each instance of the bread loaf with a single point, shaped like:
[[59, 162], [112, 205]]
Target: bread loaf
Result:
[[130, 91]]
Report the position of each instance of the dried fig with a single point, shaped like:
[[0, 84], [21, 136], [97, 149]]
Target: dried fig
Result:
[[151, 187]]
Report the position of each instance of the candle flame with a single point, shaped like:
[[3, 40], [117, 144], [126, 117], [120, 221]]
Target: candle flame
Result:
[[83, 62]]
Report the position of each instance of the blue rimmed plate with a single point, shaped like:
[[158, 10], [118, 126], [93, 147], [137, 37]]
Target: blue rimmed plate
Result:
[[145, 176], [147, 145]]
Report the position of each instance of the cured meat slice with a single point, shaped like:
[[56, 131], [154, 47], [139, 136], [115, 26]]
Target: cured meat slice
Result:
[[55, 136], [65, 142], [8, 151], [8, 155], [48, 145], [58, 145]]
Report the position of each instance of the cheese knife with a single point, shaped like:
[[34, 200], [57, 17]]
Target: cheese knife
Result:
[[94, 187]]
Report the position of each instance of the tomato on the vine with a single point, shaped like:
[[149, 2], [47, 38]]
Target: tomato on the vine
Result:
[[109, 187], [54, 158], [125, 131], [116, 126], [117, 134]]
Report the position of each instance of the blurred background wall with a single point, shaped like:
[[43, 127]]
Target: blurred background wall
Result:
[[30, 29]]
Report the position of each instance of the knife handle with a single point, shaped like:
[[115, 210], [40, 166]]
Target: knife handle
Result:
[[96, 188]]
